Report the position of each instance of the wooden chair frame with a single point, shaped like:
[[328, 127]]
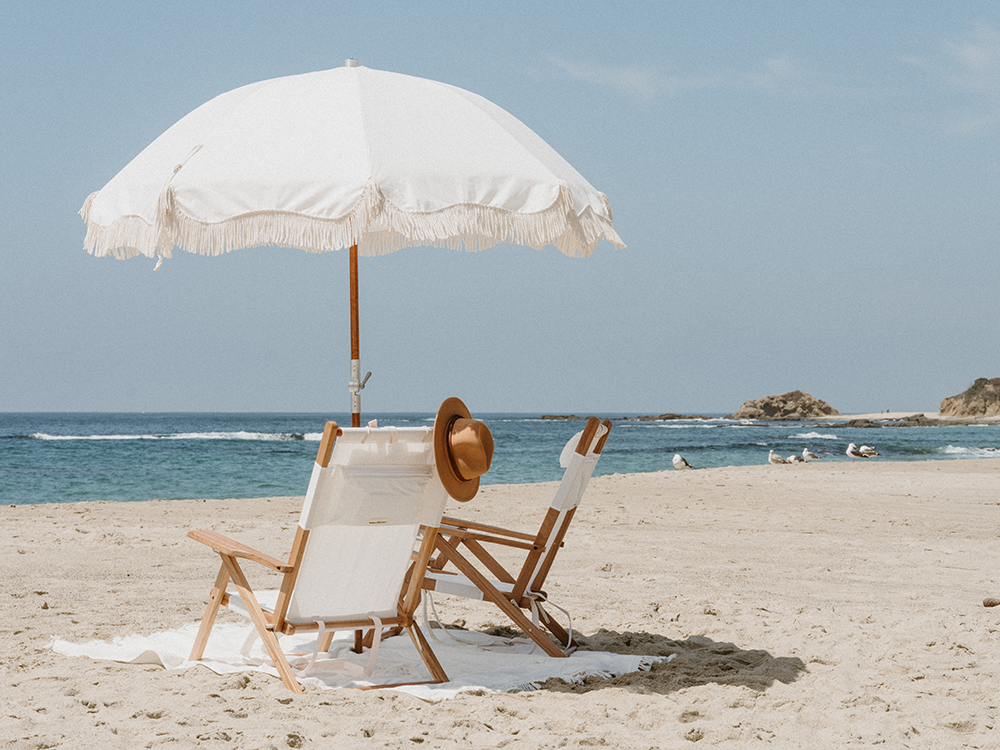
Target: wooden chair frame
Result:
[[526, 589], [268, 624]]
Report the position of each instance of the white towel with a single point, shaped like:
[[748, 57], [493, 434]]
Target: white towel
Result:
[[469, 668]]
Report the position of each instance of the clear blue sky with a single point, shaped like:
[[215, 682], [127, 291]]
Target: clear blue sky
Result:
[[808, 192]]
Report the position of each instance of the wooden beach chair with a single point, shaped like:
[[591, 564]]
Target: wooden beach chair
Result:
[[481, 576], [372, 490]]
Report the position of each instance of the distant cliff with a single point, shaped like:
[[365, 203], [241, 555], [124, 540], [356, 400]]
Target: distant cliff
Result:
[[791, 405], [982, 399]]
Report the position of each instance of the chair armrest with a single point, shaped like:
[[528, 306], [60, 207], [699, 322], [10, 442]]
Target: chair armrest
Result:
[[226, 546], [448, 525]]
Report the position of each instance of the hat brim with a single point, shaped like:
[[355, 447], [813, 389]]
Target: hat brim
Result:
[[462, 490]]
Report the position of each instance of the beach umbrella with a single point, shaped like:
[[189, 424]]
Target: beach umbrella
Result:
[[346, 158]]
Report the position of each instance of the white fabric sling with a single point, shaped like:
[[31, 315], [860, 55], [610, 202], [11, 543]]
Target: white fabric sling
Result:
[[363, 513]]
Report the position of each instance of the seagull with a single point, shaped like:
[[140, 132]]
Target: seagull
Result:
[[853, 452], [808, 455], [867, 451], [680, 462], [774, 458], [796, 459]]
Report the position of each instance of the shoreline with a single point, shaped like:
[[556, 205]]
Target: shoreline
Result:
[[837, 600]]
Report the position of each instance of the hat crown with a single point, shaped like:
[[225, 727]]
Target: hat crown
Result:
[[471, 446]]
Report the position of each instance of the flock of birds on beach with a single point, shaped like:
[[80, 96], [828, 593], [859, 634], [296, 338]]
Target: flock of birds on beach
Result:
[[853, 452]]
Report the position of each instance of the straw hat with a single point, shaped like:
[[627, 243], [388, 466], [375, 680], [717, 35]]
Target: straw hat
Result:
[[463, 449]]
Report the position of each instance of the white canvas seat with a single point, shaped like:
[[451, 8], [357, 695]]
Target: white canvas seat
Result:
[[352, 563], [481, 576]]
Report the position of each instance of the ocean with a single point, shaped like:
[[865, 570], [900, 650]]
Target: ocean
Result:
[[72, 457]]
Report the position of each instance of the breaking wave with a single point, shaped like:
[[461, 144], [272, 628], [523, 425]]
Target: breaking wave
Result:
[[239, 435]]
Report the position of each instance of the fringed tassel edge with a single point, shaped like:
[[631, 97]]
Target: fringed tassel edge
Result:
[[375, 224]]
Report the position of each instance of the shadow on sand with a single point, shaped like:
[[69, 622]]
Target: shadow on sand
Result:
[[700, 661]]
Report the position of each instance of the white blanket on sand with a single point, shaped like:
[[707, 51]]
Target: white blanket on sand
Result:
[[481, 667]]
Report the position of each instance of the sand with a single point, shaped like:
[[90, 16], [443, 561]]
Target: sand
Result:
[[826, 605]]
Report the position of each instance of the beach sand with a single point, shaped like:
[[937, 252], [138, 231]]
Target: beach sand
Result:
[[826, 605]]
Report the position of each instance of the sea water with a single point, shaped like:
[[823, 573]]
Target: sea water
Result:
[[72, 457]]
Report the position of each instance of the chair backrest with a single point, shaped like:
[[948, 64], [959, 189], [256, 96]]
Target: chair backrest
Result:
[[579, 458], [371, 490]]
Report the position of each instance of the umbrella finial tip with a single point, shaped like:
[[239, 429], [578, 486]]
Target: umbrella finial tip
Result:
[[350, 62]]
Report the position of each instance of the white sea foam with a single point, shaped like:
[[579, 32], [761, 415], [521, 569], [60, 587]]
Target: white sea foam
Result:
[[688, 426], [969, 452], [814, 436], [239, 435]]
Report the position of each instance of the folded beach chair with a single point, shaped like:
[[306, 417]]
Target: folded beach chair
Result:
[[358, 558], [481, 576]]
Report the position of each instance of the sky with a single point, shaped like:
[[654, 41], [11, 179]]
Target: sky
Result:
[[808, 193]]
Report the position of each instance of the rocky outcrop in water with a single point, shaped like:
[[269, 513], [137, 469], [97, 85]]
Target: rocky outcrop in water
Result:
[[785, 406], [982, 399]]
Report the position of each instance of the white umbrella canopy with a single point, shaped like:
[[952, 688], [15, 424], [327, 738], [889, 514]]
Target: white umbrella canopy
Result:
[[346, 158]]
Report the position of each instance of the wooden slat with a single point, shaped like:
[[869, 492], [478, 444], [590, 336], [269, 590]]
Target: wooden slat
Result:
[[449, 524], [330, 434], [215, 598], [411, 596], [291, 628], [226, 546], [491, 593], [288, 582], [556, 543], [604, 437], [463, 536], [491, 563], [266, 634], [424, 649], [541, 544], [588, 435]]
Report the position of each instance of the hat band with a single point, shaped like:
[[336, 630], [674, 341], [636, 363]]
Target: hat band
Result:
[[451, 455]]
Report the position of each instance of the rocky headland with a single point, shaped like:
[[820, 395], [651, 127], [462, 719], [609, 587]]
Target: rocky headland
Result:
[[981, 399]]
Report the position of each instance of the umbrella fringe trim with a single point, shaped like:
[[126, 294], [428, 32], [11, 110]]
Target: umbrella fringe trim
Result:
[[375, 224]]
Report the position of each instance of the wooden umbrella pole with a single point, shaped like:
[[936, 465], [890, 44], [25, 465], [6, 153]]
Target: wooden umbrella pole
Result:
[[355, 384]]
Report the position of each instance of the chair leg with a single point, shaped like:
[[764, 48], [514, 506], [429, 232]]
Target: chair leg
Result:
[[424, 649], [211, 611], [327, 641], [267, 636]]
